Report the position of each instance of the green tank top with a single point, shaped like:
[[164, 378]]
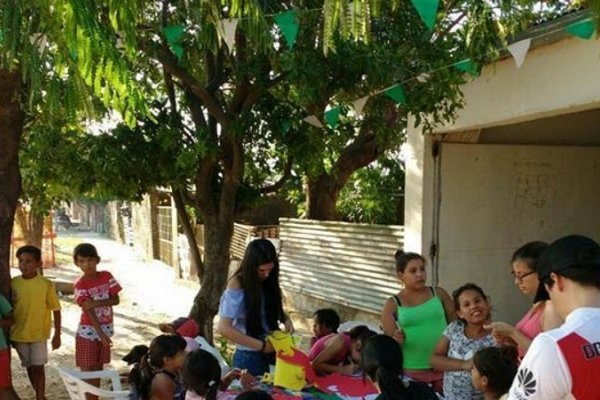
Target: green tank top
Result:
[[423, 326]]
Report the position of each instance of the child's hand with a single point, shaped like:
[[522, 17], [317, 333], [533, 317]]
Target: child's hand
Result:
[[247, 380], [349, 369], [56, 342], [232, 375], [88, 305]]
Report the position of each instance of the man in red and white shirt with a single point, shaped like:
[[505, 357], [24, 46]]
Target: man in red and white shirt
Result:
[[564, 363]]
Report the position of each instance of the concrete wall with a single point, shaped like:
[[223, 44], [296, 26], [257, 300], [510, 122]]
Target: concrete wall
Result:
[[554, 99], [560, 78], [141, 219]]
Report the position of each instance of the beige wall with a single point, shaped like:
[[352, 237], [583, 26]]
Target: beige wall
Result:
[[419, 193], [555, 79], [467, 208]]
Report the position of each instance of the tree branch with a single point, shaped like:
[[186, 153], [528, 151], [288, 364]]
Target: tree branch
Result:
[[287, 172], [169, 62]]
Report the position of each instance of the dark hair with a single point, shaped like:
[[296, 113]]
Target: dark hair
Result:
[[530, 254], [361, 333], [35, 252], [467, 286], [161, 346], [402, 259], [201, 374], [382, 360], [328, 317], [254, 395], [499, 365], [85, 250], [260, 252]]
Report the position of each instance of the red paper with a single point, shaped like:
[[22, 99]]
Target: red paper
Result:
[[346, 385]]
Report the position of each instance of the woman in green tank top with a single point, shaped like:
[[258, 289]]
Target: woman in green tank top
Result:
[[416, 317]]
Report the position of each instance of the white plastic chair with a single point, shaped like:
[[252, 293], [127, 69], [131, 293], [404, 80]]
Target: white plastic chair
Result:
[[346, 326], [77, 387], [225, 368]]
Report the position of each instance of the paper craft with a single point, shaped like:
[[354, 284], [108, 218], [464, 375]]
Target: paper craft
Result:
[[346, 385], [287, 374]]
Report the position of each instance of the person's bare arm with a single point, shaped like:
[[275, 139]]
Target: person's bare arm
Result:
[[226, 329], [324, 361], [441, 362], [162, 387], [448, 304], [96, 324], [389, 323], [90, 304], [57, 318]]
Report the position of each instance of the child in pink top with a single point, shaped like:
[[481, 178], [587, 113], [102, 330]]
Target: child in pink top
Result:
[[339, 352]]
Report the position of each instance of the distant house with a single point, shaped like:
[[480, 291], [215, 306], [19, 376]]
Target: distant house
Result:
[[520, 163]]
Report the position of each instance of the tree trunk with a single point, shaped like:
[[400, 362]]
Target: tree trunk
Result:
[[36, 229], [323, 190], [217, 238], [322, 194], [197, 264], [11, 129]]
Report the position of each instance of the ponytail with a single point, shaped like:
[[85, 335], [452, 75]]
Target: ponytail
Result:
[[145, 377], [391, 384]]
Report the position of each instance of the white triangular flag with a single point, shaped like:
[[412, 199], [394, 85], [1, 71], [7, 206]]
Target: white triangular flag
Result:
[[359, 104], [424, 77], [40, 39], [314, 121], [519, 51], [228, 27]]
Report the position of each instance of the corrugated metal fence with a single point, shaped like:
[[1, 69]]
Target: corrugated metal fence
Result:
[[345, 263]]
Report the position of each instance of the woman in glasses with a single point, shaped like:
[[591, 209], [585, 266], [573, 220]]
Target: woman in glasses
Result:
[[541, 316]]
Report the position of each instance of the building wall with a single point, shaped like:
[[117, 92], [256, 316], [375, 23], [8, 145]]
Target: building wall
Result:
[[560, 78], [553, 100]]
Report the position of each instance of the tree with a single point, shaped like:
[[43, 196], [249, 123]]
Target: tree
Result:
[[221, 101]]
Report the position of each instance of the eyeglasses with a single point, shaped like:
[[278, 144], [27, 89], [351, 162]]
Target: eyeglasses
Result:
[[519, 278]]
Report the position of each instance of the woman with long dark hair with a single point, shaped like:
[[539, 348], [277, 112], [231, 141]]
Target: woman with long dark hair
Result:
[[252, 306], [382, 361]]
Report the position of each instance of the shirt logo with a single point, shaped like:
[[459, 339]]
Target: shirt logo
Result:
[[527, 382]]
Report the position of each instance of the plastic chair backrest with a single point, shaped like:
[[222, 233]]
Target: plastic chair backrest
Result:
[[77, 387], [204, 345], [346, 326]]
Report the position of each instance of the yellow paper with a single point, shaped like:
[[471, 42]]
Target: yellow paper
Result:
[[282, 342], [287, 375]]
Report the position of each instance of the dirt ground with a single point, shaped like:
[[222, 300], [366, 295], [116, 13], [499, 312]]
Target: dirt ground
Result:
[[150, 295]]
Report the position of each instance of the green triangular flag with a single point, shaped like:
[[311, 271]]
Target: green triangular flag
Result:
[[583, 29], [427, 9], [332, 117], [173, 34], [396, 93], [286, 21], [467, 66], [177, 49]]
